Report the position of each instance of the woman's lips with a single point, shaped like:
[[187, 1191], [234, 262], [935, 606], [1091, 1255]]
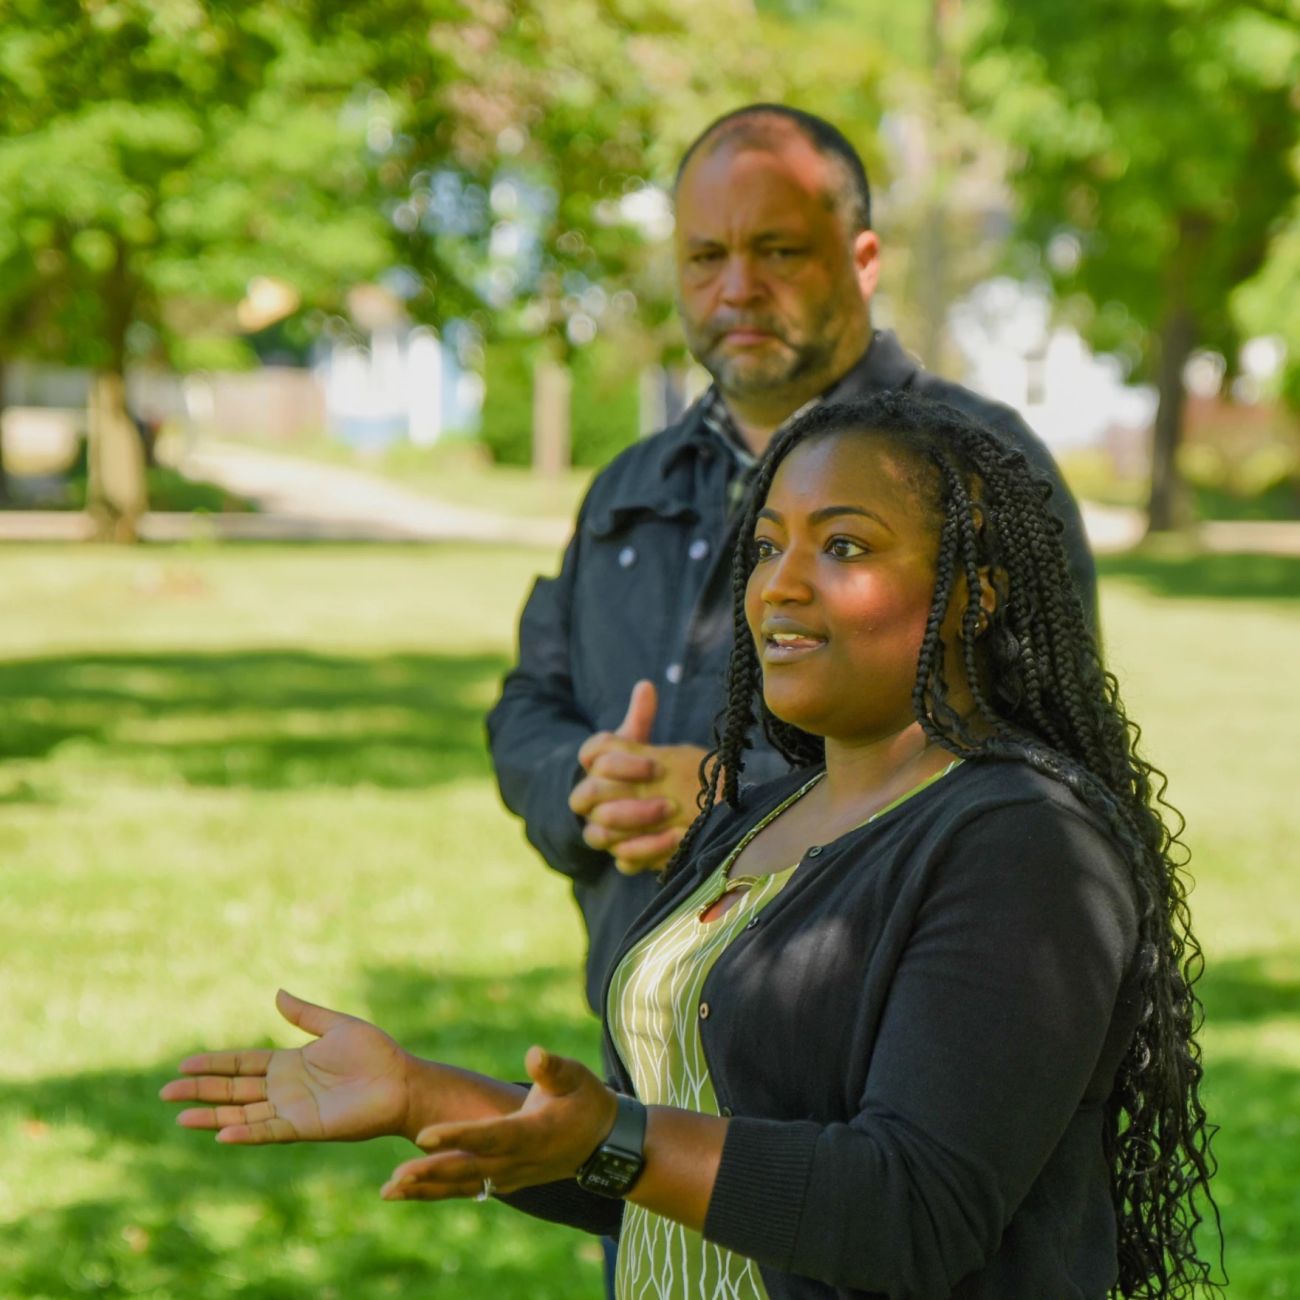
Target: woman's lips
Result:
[[785, 647]]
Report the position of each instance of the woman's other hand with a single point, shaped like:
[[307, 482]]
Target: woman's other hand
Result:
[[352, 1082], [567, 1114]]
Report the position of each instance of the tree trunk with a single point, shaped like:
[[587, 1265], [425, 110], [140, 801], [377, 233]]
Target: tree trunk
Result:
[[4, 477], [934, 274], [117, 486], [1167, 506], [552, 390], [115, 491]]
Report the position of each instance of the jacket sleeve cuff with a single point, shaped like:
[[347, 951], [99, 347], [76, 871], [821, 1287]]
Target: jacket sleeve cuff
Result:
[[758, 1198], [552, 827]]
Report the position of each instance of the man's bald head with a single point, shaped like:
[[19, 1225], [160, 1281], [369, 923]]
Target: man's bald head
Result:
[[765, 126]]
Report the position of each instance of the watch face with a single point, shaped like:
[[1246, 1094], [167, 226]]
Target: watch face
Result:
[[609, 1173]]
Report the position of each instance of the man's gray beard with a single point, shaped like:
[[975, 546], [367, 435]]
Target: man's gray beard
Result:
[[749, 380]]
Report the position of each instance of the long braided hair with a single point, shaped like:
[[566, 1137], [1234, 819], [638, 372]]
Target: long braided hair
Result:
[[1040, 696]]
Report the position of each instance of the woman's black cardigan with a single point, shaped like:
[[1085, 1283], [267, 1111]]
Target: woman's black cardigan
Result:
[[915, 1042]]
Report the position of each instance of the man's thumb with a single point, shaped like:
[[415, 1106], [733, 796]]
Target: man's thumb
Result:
[[640, 715]]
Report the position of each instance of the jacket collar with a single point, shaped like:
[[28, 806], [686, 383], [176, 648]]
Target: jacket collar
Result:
[[690, 436]]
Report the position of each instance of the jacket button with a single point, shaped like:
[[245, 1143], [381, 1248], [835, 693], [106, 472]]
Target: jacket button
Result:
[[704, 1010], [673, 673], [815, 851], [698, 549], [726, 1112], [627, 557]]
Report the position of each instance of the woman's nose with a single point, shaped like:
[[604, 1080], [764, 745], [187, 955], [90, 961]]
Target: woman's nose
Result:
[[786, 580]]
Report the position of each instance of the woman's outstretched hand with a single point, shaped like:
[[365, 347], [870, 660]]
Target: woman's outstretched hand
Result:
[[567, 1114], [352, 1082]]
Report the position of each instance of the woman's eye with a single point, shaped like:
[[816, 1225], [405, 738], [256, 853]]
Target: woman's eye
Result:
[[764, 548], [845, 548]]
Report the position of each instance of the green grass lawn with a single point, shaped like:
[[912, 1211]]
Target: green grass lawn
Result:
[[222, 770]]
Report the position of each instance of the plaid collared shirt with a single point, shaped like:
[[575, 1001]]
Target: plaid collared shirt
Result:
[[718, 421]]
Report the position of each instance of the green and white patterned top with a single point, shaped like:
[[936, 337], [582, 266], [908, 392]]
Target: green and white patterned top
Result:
[[654, 1001], [654, 1020]]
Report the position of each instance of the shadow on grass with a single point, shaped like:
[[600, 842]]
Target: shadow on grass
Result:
[[292, 1223], [1251, 988], [16, 794], [1188, 575], [196, 1220], [262, 719]]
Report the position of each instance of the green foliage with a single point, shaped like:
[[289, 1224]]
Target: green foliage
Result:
[[1226, 479], [1266, 303], [506, 427], [577, 106], [604, 407], [1155, 148], [154, 157], [606, 404]]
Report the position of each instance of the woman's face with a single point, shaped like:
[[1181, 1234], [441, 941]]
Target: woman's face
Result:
[[838, 600]]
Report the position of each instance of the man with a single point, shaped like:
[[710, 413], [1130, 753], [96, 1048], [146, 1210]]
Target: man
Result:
[[601, 728]]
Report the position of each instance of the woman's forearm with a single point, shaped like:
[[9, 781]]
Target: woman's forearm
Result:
[[479, 1130], [438, 1093], [683, 1151]]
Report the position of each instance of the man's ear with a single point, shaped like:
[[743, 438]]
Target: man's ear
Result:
[[866, 262]]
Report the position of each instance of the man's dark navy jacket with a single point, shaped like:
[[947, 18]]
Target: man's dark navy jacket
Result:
[[645, 592]]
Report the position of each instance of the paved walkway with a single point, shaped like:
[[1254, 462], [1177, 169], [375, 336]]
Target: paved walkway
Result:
[[301, 500]]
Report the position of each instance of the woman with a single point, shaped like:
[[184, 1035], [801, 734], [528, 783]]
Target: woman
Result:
[[916, 1021]]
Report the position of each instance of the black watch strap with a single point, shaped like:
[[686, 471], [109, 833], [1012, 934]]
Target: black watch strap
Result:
[[615, 1165]]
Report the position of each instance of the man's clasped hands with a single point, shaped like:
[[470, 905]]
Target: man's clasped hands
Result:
[[636, 799]]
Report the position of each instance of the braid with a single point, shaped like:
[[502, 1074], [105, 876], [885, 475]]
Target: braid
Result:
[[929, 692], [721, 767], [1040, 697]]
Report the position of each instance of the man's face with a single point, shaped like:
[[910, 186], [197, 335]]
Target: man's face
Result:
[[773, 288]]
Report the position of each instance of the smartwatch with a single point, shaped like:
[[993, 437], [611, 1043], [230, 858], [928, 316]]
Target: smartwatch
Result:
[[615, 1165]]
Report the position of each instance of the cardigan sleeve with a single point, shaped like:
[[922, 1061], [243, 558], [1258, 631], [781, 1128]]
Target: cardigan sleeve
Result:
[[997, 1021], [565, 1202]]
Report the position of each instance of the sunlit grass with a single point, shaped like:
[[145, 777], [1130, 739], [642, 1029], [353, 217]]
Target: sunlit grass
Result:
[[230, 770], [222, 770]]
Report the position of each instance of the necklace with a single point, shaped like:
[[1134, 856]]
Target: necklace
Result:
[[749, 881]]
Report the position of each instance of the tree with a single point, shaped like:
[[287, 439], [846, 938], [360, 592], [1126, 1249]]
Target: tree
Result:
[[1266, 304], [1152, 169], [154, 157], [18, 301], [565, 125]]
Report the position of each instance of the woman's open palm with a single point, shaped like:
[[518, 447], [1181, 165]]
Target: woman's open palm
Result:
[[351, 1083]]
